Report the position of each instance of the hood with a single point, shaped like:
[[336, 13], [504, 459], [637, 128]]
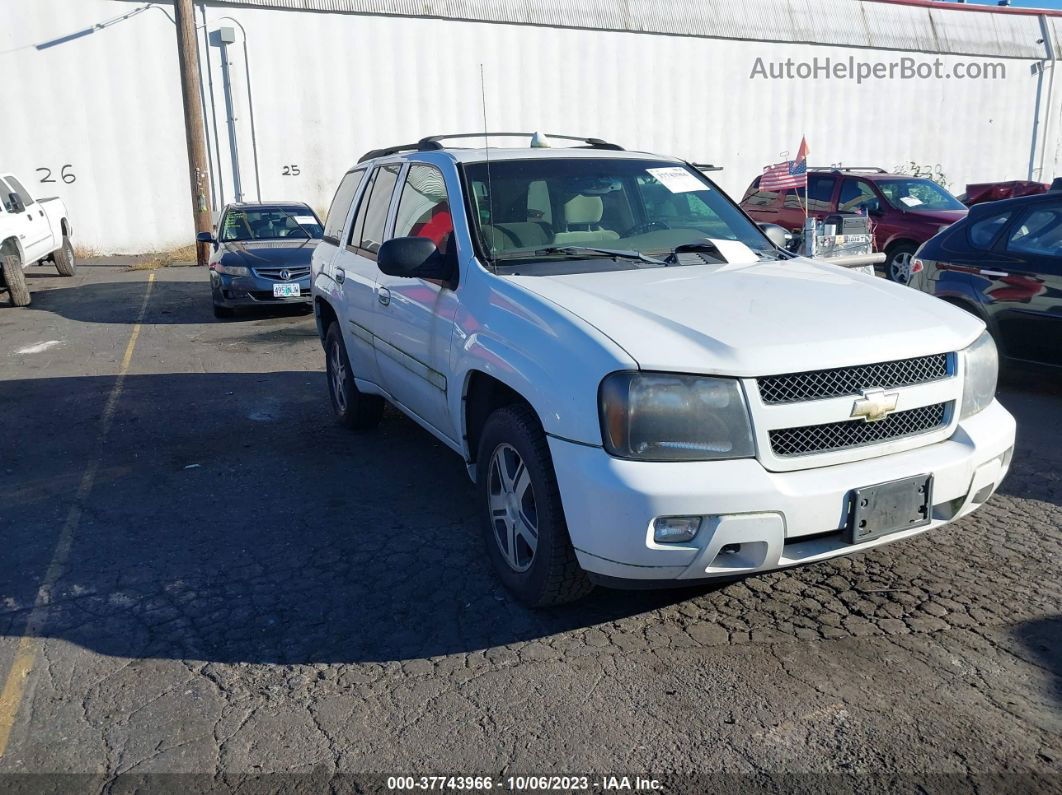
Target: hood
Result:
[[938, 216], [271, 253], [761, 319]]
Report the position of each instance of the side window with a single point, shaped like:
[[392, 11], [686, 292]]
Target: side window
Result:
[[760, 198], [21, 191], [354, 238], [983, 232], [855, 195], [1040, 232], [424, 208], [372, 230], [820, 192], [5, 192], [337, 213]]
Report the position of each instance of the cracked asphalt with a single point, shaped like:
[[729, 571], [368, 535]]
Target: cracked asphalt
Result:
[[252, 589]]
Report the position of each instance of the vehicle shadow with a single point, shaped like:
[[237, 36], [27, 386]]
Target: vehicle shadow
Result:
[[232, 520], [1034, 397], [1043, 638], [176, 303]]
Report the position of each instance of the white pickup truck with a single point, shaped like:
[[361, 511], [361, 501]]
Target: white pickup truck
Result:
[[644, 388], [31, 230]]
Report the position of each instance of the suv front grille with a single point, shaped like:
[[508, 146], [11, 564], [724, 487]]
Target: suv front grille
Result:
[[787, 442], [841, 381]]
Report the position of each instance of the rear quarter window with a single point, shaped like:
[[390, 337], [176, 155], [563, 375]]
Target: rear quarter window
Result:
[[984, 232]]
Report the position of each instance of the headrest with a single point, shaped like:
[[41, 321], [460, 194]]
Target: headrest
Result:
[[584, 210]]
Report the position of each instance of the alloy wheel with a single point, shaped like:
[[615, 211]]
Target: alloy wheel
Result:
[[900, 267], [513, 512], [339, 376]]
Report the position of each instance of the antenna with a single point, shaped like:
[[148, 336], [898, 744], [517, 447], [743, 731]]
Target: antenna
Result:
[[486, 153]]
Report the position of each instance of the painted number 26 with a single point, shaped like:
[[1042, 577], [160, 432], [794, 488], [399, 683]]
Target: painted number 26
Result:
[[66, 173]]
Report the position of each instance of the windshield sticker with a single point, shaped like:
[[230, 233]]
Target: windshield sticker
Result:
[[910, 201], [677, 179], [305, 219]]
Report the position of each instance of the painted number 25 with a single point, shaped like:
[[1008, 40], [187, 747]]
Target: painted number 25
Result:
[[291, 171], [66, 173]]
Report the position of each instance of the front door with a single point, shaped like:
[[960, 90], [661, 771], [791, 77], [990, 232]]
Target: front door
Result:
[[416, 316]]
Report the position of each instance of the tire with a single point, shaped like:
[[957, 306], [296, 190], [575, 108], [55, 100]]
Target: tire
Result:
[[898, 263], [549, 574], [15, 280], [223, 312], [64, 258], [351, 406]]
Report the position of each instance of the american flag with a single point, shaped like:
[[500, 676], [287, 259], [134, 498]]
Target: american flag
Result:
[[787, 174]]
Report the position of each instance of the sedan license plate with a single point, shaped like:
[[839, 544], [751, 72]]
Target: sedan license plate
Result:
[[876, 511], [286, 291]]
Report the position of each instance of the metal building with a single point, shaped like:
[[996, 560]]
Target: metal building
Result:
[[295, 90]]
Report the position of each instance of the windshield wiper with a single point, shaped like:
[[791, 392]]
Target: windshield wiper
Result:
[[584, 251]]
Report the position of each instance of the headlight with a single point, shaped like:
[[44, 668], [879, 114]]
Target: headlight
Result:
[[231, 270], [982, 370], [663, 417]]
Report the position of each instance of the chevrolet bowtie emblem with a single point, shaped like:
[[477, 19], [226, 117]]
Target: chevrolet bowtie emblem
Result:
[[875, 404]]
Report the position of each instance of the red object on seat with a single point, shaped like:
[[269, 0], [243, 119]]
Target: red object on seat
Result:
[[437, 228]]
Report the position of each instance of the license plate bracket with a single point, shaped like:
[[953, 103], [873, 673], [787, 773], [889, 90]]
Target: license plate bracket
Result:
[[886, 508]]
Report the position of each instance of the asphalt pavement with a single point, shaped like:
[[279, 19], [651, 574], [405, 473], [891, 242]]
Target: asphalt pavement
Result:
[[202, 573]]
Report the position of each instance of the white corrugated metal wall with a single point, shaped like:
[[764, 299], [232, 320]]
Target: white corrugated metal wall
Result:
[[333, 78]]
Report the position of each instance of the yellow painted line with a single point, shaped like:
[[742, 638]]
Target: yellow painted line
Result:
[[28, 645]]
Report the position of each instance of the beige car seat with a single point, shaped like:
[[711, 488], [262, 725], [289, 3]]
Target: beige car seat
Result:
[[582, 217]]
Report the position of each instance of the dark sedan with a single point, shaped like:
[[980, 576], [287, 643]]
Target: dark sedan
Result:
[[261, 255], [1003, 263]]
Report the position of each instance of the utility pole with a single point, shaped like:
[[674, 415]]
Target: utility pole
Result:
[[198, 173]]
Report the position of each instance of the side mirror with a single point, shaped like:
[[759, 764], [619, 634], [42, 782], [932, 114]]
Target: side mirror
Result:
[[16, 202], [780, 236], [205, 237], [874, 208], [414, 258]]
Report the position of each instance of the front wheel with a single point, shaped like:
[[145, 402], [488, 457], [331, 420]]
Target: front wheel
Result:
[[351, 406], [898, 264], [64, 258], [15, 280], [523, 520]]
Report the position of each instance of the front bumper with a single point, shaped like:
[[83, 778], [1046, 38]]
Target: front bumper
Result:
[[775, 519], [237, 291]]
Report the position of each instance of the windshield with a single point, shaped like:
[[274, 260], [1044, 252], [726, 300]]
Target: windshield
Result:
[[917, 194], [270, 223], [634, 206]]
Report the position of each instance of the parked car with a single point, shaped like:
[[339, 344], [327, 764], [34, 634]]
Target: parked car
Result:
[[644, 388], [979, 192], [31, 230], [261, 255], [1003, 264], [906, 211]]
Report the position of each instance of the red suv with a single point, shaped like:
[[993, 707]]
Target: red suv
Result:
[[905, 211]]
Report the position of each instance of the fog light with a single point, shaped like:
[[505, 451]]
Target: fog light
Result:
[[675, 529]]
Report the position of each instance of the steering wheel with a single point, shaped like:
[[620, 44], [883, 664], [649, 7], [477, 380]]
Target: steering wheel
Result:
[[641, 229]]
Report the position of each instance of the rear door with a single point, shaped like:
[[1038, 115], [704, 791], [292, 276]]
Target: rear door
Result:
[[354, 270], [1026, 290]]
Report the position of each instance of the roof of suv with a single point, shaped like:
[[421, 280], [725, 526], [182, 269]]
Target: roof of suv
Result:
[[869, 173], [590, 147]]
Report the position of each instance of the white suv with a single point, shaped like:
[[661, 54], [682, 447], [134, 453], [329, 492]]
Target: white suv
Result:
[[644, 388]]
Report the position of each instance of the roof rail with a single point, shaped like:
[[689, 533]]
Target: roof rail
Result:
[[432, 143], [838, 169]]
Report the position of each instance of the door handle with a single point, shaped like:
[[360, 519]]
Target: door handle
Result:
[[383, 295], [341, 275]]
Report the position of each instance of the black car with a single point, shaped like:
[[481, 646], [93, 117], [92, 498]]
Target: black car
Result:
[[1003, 262], [261, 255]]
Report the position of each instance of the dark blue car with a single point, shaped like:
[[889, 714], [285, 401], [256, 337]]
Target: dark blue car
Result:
[[1003, 263]]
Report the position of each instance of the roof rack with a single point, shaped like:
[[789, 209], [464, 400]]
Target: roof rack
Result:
[[432, 143], [838, 169]]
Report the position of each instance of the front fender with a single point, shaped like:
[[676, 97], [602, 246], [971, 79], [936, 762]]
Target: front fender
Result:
[[547, 355]]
